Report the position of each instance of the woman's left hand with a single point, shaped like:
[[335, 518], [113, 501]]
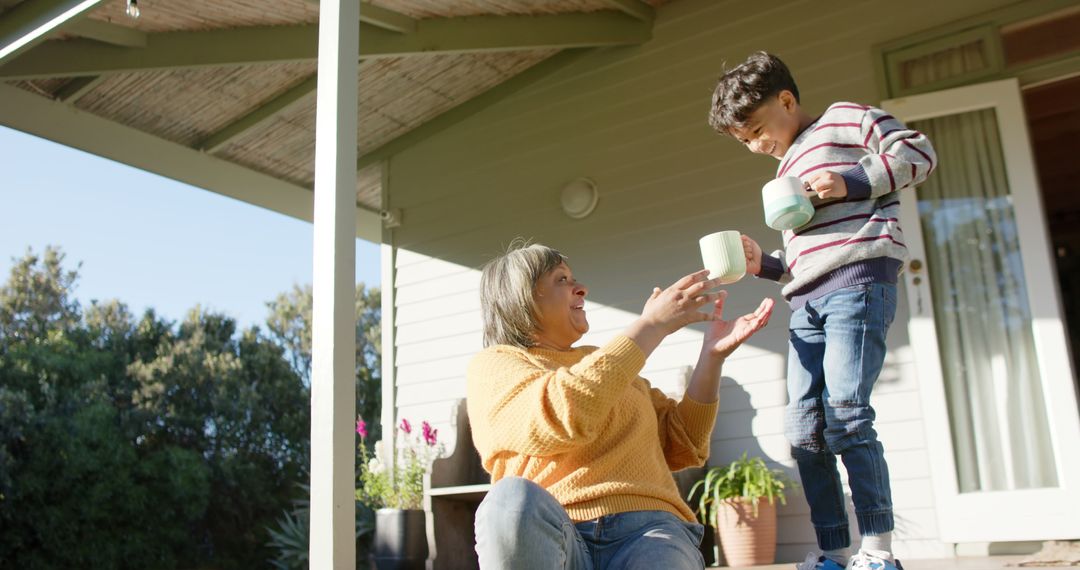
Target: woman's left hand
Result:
[[723, 336]]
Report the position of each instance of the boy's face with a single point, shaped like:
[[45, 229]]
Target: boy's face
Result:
[[772, 127]]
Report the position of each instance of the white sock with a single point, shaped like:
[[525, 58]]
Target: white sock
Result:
[[879, 545], [839, 555]]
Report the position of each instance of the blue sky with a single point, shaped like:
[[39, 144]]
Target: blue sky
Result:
[[150, 241]]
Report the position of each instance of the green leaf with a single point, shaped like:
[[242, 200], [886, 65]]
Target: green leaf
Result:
[[746, 478]]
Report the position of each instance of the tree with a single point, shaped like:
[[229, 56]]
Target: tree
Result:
[[234, 400], [289, 324], [139, 442], [75, 489], [36, 299]]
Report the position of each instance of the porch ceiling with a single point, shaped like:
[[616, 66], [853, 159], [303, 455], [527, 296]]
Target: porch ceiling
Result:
[[236, 80]]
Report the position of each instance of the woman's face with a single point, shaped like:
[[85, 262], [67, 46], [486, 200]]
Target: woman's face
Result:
[[561, 303]]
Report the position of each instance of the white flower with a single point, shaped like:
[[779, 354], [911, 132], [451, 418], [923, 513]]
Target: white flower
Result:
[[375, 466]]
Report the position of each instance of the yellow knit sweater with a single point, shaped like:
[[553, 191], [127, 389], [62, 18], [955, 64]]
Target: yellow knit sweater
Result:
[[584, 426]]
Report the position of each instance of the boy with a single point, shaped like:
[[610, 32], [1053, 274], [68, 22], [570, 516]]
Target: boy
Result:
[[840, 272]]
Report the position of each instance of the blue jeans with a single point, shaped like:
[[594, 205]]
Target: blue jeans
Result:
[[520, 526], [837, 347]]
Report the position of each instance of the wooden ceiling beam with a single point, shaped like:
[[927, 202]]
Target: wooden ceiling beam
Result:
[[383, 18], [106, 32], [279, 44], [30, 23], [634, 8], [64, 124], [259, 115], [469, 108], [76, 88]]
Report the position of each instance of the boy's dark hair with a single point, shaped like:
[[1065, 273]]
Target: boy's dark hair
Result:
[[742, 89]]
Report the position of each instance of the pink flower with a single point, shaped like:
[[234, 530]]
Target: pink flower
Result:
[[361, 426], [431, 435], [405, 426]]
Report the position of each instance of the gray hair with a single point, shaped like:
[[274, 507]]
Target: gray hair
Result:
[[506, 293]]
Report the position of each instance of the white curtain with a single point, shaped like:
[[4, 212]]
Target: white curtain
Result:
[[944, 64], [992, 379]]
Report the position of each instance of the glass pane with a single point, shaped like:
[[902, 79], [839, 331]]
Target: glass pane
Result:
[[992, 379], [945, 64]]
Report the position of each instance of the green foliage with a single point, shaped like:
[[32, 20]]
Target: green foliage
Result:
[[36, 302], [290, 538], [289, 325], [749, 479], [136, 442], [397, 483], [232, 399]]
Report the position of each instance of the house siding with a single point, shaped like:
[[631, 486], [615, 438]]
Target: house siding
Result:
[[634, 120]]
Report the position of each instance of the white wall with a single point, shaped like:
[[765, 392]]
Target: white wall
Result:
[[633, 120]]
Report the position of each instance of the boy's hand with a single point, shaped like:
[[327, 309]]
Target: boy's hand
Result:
[[753, 255], [828, 185]]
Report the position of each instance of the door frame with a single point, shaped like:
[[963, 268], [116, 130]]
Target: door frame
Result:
[[1037, 514]]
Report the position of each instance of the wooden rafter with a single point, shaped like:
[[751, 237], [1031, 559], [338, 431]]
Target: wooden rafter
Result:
[[245, 46]]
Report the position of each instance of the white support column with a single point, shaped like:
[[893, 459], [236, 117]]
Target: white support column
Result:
[[388, 255], [332, 542]]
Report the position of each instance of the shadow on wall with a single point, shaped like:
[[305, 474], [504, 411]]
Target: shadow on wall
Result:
[[738, 400], [794, 519]]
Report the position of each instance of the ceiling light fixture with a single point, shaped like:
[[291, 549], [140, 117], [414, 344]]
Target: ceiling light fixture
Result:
[[579, 198]]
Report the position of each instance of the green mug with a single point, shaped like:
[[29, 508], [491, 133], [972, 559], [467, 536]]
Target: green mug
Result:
[[723, 255], [787, 203]]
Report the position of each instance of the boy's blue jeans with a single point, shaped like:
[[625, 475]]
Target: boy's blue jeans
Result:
[[837, 347], [520, 526]]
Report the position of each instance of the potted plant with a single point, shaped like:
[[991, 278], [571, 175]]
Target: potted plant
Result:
[[740, 500], [394, 488]]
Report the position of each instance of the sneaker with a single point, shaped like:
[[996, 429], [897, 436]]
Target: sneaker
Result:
[[817, 562], [864, 561]]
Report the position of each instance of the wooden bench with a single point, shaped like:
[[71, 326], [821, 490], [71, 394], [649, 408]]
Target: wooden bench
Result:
[[456, 485], [453, 490]]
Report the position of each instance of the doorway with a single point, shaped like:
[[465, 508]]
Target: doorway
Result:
[[986, 323], [1053, 112]]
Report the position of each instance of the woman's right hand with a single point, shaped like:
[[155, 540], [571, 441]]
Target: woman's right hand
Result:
[[668, 310], [677, 306]]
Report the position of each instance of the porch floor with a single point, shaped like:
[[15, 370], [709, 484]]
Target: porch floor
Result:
[[964, 563]]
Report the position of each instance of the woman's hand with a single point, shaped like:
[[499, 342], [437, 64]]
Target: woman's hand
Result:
[[723, 337], [677, 306], [668, 310]]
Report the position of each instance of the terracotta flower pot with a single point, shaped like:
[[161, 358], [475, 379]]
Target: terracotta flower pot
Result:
[[746, 539]]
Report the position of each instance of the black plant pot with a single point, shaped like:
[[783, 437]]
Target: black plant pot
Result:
[[400, 539]]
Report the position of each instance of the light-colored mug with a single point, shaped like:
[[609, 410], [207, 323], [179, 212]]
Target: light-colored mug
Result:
[[787, 203], [723, 255]]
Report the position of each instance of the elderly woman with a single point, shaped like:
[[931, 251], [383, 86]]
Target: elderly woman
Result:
[[580, 448]]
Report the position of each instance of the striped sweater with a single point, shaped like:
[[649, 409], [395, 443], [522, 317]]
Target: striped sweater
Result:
[[857, 239]]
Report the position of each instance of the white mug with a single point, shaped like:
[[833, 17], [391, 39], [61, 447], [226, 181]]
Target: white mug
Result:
[[723, 255], [787, 203]]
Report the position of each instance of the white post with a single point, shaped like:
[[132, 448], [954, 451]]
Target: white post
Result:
[[332, 542], [389, 367]]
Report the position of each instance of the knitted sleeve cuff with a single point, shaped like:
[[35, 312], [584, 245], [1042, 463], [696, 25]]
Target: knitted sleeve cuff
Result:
[[771, 268], [858, 183], [699, 418]]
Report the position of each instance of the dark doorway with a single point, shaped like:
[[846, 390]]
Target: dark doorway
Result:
[[1053, 112]]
